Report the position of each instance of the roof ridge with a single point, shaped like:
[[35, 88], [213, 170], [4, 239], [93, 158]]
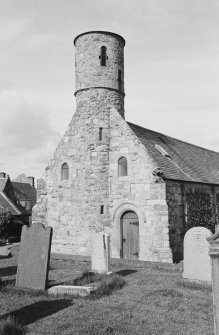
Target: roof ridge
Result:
[[20, 182], [176, 139]]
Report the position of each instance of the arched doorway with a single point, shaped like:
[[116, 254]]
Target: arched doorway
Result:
[[129, 235]]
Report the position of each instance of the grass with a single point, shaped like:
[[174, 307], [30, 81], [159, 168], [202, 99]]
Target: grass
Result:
[[194, 285], [11, 327], [108, 284], [155, 300]]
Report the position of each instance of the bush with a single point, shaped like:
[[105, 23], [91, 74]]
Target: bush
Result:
[[5, 223], [11, 327]]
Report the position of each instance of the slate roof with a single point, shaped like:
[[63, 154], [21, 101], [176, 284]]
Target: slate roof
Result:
[[24, 191], [186, 162], [6, 203]]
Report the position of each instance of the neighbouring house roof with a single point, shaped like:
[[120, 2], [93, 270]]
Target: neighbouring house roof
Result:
[[2, 184], [24, 191], [177, 159], [6, 203], [15, 196]]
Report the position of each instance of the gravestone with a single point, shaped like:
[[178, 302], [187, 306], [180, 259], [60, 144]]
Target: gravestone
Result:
[[197, 265], [100, 253], [34, 253]]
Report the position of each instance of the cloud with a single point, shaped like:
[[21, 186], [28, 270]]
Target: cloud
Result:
[[35, 41], [11, 29], [27, 137], [21, 33]]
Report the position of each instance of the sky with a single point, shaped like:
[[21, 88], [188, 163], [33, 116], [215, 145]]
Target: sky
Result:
[[171, 71]]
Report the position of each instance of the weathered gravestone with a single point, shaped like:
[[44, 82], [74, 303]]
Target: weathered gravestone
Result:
[[34, 253], [100, 253], [197, 264]]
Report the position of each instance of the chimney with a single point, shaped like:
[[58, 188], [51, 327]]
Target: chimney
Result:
[[2, 175], [30, 180]]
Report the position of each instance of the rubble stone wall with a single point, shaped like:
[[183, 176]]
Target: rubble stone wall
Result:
[[139, 191]]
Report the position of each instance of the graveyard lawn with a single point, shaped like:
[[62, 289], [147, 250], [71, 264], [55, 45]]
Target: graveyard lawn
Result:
[[155, 300]]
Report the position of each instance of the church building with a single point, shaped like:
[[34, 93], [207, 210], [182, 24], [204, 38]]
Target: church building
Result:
[[144, 188]]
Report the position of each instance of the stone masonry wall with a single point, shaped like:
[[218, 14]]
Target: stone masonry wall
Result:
[[139, 191], [72, 207], [77, 207], [94, 197]]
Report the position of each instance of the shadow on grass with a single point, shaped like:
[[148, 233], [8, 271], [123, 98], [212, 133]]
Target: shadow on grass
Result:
[[9, 271], [41, 309], [124, 273]]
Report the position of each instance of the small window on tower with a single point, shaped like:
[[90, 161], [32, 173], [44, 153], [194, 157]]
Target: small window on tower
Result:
[[100, 134], [122, 167], [65, 171], [103, 56], [120, 80]]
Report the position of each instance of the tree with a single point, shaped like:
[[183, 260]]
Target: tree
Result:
[[5, 222], [21, 178]]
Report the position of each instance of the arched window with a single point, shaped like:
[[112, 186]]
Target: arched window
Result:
[[103, 56], [122, 167], [119, 80], [65, 171]]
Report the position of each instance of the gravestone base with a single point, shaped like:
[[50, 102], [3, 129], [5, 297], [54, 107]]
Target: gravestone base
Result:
[[82, 291]]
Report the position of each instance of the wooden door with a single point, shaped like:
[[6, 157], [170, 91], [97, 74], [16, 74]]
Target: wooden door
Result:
[[130, 235]]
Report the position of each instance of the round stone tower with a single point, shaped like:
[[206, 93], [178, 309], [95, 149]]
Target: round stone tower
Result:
[[99, 70]]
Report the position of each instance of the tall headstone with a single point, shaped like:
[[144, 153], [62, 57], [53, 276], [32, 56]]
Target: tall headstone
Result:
[[100, 253], [34, 254], [197, 264]]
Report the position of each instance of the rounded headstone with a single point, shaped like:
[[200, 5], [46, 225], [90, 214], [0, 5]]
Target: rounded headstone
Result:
[[197, 264]]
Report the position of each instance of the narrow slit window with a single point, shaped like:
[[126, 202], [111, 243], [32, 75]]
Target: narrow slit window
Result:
[[119, 80], [122, 167], [103, 56], [102, 209], [65, 172], [100, 134]]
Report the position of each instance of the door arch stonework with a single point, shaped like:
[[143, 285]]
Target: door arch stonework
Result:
[[116, 233]]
